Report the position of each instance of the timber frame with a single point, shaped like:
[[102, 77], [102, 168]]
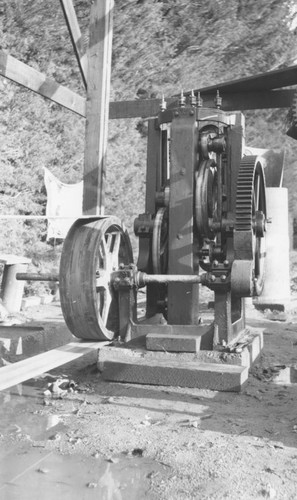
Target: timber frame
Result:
[[267, 90]]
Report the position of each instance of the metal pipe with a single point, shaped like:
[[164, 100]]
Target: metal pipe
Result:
[[143, 278], [46, 217], [37, 277]]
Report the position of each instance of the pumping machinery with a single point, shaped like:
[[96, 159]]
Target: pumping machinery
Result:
[[204, 225], [203, 228]]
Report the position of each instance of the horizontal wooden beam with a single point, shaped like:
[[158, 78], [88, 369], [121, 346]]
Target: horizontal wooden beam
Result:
[[231, 102], [275, 79], [30, 78], [135, 109], [262, 99]]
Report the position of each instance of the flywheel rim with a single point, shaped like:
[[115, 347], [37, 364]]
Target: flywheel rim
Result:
[[205, 198], [160, 242], [92, 250]]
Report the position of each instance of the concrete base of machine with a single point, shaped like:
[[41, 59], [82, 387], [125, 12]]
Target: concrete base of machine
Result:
[[173, 343], [215, 370], [286, 306]]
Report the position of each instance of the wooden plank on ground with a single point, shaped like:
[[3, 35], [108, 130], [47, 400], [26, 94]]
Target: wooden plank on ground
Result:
[[28, 77], [76, 37], [32, 367], [97, 110]]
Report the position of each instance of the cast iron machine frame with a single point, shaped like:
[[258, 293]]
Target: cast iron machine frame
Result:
[[205, 209]]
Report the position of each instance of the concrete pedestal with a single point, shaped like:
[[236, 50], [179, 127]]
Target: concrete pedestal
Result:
[[12, 289]]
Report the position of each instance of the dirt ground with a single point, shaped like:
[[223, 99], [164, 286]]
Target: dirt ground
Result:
[[113, 441]]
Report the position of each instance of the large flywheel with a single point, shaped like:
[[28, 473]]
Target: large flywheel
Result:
[[92, 250], [250, 220], [160, 242], [205, 198]]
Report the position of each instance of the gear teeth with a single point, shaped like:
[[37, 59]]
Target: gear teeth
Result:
[[294, 109], [244, 195]]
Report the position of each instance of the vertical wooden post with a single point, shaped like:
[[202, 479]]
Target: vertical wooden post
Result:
[[97, 109]]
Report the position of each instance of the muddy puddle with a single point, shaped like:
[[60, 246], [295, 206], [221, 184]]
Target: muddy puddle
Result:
[[31, 472], [20, 414], [46, 475]]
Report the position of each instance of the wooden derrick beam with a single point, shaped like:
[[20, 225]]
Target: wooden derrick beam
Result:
[[264, 99], [76, 38], [30, 78], [276, 79], [97, 108]]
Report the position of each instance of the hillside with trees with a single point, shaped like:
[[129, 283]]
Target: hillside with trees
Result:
[[159, 47]]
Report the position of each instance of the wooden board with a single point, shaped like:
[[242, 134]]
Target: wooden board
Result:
[[76, 38], [276, 79], [17, 373], [30, 78], [99, 68], [268, 99]]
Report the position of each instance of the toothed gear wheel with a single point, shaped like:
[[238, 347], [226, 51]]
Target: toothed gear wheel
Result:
[[250, 219], [291, 120], [294, 109]]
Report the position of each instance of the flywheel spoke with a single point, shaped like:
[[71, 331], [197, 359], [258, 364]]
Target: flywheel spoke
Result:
[[115, 251], [102, 280], [106, 305]]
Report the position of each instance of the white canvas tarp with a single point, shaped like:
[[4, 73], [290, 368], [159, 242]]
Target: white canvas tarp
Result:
[[63, 200]]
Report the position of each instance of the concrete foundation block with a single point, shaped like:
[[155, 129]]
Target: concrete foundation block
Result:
[[220, 370], [46, 299], [11, 289], [173, 373], [172, 343], [35, 300]]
